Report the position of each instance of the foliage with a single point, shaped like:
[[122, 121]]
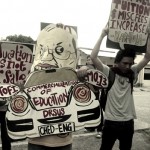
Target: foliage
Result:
[[20, 38]]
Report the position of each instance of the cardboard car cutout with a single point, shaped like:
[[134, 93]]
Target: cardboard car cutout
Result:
[[57, 103]]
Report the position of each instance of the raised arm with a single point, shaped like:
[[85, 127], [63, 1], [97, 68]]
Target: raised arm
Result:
[[146, 58], [94, 54]]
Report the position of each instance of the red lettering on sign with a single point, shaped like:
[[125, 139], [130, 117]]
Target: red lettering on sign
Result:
[[9, 90], [53, 99], [53, 112]]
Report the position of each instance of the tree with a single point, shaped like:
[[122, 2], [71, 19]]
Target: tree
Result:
[[20, 38]]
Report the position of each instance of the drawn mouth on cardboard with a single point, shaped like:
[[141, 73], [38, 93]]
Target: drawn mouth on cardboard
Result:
[[54, 119], [89, 114], [41, 66]]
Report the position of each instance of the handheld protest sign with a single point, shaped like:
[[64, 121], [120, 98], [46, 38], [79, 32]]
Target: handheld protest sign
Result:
[[55, 104], [7, 91], [15, 61], [128, 24], [53, 100], [15, 64], [97, 78]]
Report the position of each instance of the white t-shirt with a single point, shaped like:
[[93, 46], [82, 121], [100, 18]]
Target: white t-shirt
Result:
[[120, 103]]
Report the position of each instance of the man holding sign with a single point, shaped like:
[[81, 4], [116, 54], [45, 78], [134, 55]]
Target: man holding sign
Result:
[[120, 110]]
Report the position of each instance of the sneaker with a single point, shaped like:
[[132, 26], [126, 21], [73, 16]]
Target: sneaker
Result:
[[99, 135]]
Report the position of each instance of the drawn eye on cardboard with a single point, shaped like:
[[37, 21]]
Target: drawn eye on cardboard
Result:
[[128, 24]]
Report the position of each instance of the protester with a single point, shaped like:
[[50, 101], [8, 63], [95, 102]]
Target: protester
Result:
[[119, 110], [6, 144], [55, 48]]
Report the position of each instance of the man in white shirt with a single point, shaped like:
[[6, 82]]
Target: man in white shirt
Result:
[[119, 109]]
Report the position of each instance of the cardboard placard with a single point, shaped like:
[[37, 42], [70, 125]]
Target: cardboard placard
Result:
[[128, 23]]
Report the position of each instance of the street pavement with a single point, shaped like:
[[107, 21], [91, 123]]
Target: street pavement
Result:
[[141, 141], [88, 141]]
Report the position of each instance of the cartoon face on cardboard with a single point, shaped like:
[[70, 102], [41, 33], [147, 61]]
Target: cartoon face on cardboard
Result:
[[55, 48]]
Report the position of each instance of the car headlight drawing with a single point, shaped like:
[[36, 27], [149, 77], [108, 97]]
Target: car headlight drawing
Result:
[[19, 104]]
